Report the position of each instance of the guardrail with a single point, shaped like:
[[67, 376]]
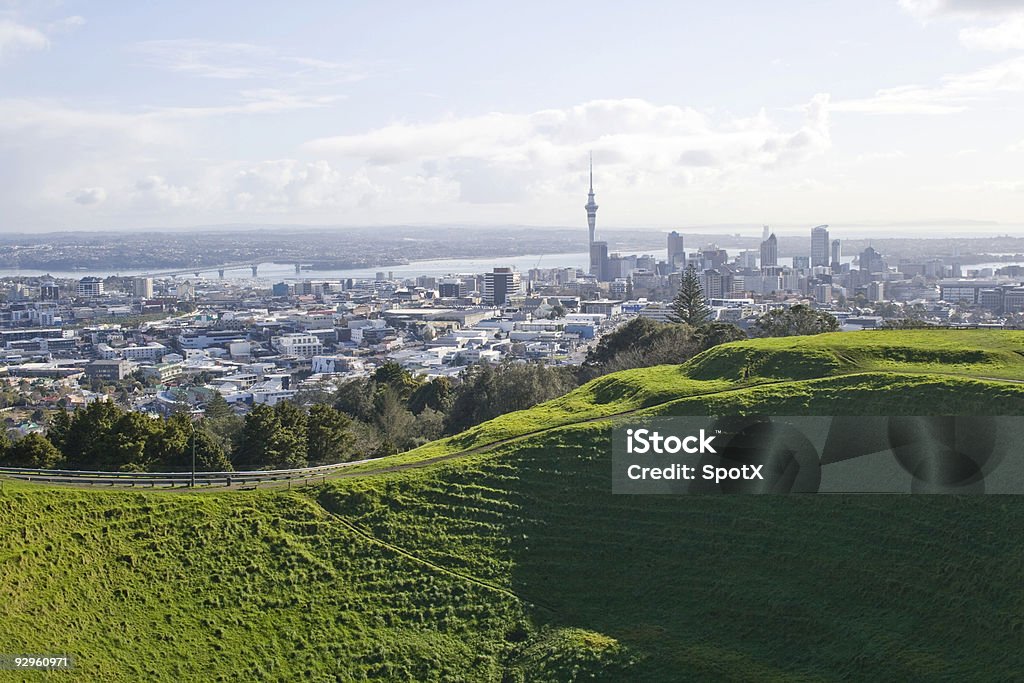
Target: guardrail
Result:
[[171, 479]]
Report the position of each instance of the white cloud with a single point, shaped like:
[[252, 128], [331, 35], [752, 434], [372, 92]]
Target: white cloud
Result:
[[926, 9], [244, 61], [870, 157], [16, 37], [1005, 35], [66, 25], [155, 192], [954, 94], [89, 196], [51, 124], [502, 158]]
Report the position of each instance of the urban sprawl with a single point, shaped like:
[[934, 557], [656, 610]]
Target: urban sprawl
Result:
[[67, 342]]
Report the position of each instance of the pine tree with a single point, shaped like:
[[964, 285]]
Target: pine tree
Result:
[[32, 450], [327, 435], [690, 306], [218, 407]]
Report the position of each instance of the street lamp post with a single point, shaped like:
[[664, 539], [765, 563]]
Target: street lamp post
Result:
[[192, 483]]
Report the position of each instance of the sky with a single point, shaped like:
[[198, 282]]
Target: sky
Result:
[[118, 115]]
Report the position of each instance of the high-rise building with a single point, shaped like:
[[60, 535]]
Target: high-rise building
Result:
[[716, 284], [819, 246], [770, 252], [450, 288], [591, 205], [823, 293], [500, 285], [871, 261], [676, 255], [748, 258], [837, 253], [599, 260], [90, 286], [49, 291], [713, 257], [765, 231], [142, 287]]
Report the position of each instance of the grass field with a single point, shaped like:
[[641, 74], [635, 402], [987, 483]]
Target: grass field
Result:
[[515, 562]]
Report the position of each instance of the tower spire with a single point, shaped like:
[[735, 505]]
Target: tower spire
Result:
[[591, 205]]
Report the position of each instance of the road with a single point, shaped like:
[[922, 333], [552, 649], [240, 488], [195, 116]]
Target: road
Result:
[[237, 480]]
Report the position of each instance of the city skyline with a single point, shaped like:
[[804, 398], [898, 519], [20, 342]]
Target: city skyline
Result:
[[885, 112]]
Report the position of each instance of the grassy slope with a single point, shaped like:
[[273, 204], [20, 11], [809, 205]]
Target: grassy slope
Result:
[[890, 356], [519, 563]]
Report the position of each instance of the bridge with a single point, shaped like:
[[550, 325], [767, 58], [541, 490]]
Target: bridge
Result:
[[198, 270], [220, 270]]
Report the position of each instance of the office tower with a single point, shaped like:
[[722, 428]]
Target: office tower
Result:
[[646, 262], [90, 286], [716, 284], [837, 253], [871, 261], [450, 288], [764, 232], [599, 261], [713, 257], [142, 287], [500, 285], [819, 246], [676, 255], [591, 205], [770, 252], [823, 293], [49, 291]]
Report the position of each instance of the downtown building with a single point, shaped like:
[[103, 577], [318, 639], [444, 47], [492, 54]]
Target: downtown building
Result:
[[500, 285], [820, 246]]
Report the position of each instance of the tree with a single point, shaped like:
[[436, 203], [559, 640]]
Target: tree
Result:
[[429, 425], [393, 375], [486, 391], [395, 421], [437, 394], [255, 447], [218, 407], [171, 450], [32, 450], [86, 439], [795, 321], [690, 306], [272, 438], [355, 398], [641, 342], [124, 444], [713, 334], [5, 444], [327, 435]]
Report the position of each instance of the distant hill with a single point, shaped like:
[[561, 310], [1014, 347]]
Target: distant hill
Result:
[[500, 554]]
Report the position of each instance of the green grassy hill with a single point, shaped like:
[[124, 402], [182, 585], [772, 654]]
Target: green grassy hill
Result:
[[510, 559]]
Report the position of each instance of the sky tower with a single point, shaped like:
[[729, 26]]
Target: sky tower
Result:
[[591, 206]]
